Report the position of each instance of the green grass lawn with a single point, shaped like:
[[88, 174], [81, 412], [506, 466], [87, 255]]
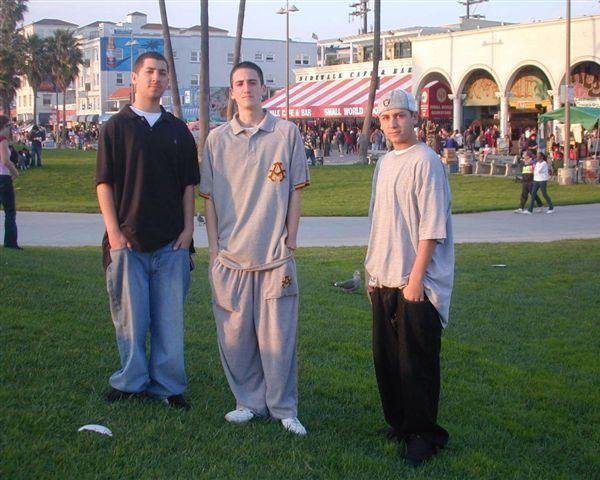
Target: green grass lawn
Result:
[[520, 391], [66, 184]]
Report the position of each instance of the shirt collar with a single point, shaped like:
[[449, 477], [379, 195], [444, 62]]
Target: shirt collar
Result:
[[267, 124], [128, 112]]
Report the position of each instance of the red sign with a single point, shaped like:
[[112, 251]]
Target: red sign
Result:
[[435, 102]]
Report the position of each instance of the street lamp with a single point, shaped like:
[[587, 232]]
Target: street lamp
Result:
[[130, 44], [286, 11]]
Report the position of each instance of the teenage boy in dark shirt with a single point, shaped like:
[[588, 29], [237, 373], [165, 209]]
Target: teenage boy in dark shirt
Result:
[[146, 171]]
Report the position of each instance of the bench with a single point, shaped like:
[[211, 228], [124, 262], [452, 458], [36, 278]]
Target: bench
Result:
[[373, 156], [494, 164]]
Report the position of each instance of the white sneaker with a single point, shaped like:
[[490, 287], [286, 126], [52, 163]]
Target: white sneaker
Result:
[[550, 211], [519, 210], [240, 415], [526, 212], [293, 425]]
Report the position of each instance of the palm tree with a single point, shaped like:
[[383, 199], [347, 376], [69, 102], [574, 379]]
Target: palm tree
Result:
[[364, 138], [204, 112], [175, 98], [36, 66], [9, 78], [65, 56], [11, 13], [237, 49]]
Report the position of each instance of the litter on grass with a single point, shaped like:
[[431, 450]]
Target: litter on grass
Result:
[[499, 265], [96, 428]]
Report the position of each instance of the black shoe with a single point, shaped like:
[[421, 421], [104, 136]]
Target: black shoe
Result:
[[177, 401], [115, 395], [391, 434], [418, 450], [14, 247]]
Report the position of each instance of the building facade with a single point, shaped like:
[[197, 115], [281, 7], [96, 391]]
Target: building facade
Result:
[[474, 71], [104, 83]]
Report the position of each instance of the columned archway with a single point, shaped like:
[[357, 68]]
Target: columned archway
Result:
[[482, 98], [434, 95], [528, 95]]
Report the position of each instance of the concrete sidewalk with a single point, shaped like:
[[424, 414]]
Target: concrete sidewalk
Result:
[[576, 221]]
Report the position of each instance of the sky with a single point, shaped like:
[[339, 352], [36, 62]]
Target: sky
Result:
[[326, 18]]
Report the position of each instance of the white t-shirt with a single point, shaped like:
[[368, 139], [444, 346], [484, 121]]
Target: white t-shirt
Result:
[[410, 202], [151, 117], [540, 172]]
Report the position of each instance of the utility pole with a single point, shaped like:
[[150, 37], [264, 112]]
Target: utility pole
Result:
[[361, 9], [567, 135], [468, 4]]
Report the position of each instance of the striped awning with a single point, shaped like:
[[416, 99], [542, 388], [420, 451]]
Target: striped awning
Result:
[[333, 98]]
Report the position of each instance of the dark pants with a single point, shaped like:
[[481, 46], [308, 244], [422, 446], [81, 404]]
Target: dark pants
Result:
[[7, 199], [406, 352], [36, 155], [526, 189], [540, 186]]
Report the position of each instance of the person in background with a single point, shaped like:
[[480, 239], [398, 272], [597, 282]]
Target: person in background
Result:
[[36, 138], [541, 175], [8, 172], [527, 183]]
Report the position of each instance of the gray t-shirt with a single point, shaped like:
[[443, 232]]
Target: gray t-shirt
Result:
[[410, 202], [249, 177]]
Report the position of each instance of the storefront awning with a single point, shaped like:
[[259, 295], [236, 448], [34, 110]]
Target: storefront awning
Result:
[[334, 98]]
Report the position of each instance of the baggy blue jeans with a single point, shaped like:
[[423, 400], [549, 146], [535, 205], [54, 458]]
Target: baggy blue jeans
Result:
[[147, 293]]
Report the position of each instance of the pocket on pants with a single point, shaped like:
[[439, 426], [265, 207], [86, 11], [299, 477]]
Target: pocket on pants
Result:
[[115, 272], [225, 283], [281, 281]]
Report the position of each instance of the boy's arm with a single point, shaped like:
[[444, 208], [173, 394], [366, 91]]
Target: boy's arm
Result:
[[413, 292], [211, 229], [185, 237], [106, 200], [293, 219]]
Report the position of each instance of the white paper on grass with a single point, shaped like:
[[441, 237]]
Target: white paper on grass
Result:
[[96, 428], [499, 265]]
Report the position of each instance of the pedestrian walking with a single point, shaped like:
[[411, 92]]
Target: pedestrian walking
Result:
[[541, 175]]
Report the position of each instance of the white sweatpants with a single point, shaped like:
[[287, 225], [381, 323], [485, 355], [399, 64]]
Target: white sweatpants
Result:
[[256, 313]]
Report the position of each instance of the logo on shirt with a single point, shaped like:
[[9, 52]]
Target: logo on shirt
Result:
[[286, 281], [277, 172]]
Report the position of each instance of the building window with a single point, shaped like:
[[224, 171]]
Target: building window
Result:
[[258, 57], [175, 57], [302, 59], [402, 50], [46, 100], [119, 80], [269, 78], [195, 56], [195, 80], [270, 57], [83, 105], [230, 58]]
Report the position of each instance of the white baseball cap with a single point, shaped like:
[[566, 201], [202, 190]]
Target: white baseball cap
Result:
[[397, 99]]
